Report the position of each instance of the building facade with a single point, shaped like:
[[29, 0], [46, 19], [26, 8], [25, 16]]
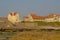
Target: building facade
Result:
[[49, 18], [14, 17], [52, 18], [33, 17]]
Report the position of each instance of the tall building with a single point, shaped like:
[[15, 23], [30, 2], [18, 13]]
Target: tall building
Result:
[[14, 17]]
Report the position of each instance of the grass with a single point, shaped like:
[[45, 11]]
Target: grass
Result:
[[37, 35], [6, 34], [41, 23]]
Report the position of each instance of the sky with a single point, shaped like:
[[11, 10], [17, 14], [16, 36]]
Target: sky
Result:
[[25, 7]]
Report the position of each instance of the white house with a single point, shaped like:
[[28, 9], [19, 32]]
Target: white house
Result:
[[52, 18], [49, 18], [33, 17], [13, 17]]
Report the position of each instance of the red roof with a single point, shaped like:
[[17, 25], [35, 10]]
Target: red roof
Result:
[[34, 16], [26, 17], [51, 16]]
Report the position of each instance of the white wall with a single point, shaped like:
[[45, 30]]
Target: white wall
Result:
[[52, 19], [14, 19]]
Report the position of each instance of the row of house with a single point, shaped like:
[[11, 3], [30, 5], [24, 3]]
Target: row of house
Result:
[[14, 17], [49, 18]]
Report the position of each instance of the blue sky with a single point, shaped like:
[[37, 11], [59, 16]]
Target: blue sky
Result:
[[25, 7]]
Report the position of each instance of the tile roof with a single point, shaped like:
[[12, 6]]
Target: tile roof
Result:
[[34, 16], [51, 16], [26, 17]]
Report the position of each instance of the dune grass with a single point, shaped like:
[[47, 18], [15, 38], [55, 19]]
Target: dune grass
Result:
[[41, 23], [37, 35]]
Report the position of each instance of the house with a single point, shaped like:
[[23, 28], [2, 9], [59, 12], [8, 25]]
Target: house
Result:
[[34, 17], [13, 17], [49, 18], [52, 18]]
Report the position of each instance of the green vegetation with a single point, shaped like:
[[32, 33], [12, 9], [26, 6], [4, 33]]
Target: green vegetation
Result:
[[41, 23], [32, 34], [26, 21], [7, 34]]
